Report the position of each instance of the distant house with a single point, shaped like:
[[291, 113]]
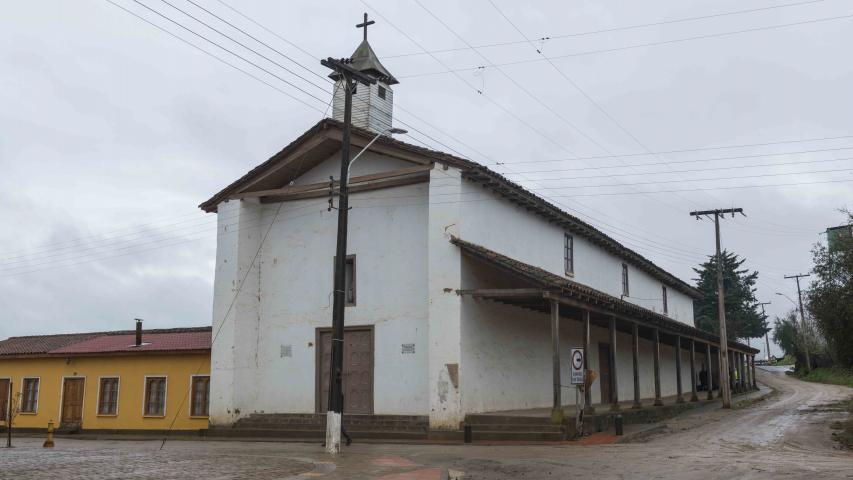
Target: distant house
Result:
[[462, 288], [108, 381], [835, 235]]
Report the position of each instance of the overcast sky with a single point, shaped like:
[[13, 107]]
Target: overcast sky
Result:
[[112, 132]]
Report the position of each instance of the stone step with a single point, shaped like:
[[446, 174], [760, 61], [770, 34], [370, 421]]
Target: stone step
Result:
[[520, 436], [515, 428], [496, 419], [313, 434]]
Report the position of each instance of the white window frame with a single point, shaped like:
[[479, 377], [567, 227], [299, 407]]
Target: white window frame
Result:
[[38, 393], [118, 396], [190, 412], [145, 396], [665, 299], [569, 246], [626, 283]]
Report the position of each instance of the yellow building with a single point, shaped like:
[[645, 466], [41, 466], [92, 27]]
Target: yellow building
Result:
[[153, 380]]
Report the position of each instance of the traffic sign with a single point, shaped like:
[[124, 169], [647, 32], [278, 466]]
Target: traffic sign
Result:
[[577, 366]]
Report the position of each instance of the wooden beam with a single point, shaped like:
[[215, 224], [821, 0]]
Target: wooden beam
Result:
[[693, 396], [658, 399], [557, 407], [635, 349], [587, 394], [614, 383], [709, 377], [502, 292], [679, 397], [362, 187], [324, 186], [306, 148]]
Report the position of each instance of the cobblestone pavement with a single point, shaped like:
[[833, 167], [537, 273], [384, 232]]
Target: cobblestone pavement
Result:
[[786, 436]]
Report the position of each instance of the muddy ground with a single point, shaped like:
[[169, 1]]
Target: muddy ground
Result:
[[785, 436]]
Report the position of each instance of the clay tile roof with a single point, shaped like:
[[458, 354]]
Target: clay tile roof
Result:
[[155, 340], [38, 344]]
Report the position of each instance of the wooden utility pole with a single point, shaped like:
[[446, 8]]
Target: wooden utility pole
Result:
[[767, 333], [9, 417], [803, 319], [334, 414], [725, 387]]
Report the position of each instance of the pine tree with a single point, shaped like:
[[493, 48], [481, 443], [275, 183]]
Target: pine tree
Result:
[[743, 320]]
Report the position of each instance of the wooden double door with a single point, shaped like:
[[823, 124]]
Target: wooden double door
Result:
[[357, 374], [72, 402]]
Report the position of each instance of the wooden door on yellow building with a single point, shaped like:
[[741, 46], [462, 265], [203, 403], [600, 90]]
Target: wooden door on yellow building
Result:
[[72, 402]]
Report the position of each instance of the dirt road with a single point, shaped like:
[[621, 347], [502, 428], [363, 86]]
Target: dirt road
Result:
[[785, 436]]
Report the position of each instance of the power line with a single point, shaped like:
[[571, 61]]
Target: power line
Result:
[[614, 29], [707, 169], [630, 47], [573, 209]]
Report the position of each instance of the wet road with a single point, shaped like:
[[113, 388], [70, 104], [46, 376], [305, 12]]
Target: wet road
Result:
[[784, 436]]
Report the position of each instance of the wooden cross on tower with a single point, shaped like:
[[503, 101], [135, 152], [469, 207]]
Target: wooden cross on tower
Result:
[[364, 25]]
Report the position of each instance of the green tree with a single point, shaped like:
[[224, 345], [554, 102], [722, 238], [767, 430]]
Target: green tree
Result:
[[743, 320], [786, 331], [830, 297]]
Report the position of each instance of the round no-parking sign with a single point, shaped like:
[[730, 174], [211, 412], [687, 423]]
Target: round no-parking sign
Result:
[[577, 366]]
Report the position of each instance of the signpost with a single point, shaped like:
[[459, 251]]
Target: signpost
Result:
[[577, 366], [577, 379]]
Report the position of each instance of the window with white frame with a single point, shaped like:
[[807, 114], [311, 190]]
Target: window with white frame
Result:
[[625, 290], [200, 395], [30, 395], [665, 303], [108, 396], [569, 253], [155, 396]]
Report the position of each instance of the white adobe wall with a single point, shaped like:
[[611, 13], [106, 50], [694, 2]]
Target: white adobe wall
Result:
[[506, 356], [291, 288], [500, 225]]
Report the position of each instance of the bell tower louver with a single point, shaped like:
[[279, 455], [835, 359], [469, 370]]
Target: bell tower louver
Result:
[[372, 106]]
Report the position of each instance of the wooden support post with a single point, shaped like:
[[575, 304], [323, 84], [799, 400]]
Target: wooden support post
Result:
[[587, 353], [679, 397], [658, 399], [744, 375], [693, 396], [754, 381], [635, 330], [557, 408], [709, 377], [614, 383]]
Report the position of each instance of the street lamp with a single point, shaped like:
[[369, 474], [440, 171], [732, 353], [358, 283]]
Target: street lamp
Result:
[[789, 298], [387, 131]]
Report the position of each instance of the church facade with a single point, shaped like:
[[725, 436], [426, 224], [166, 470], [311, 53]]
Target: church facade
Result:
[[464, 290]]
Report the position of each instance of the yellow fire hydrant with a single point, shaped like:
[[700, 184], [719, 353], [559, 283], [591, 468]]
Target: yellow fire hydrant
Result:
[[49, 442]]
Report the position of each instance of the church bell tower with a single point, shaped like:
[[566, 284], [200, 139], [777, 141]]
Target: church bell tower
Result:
[[373, 105]]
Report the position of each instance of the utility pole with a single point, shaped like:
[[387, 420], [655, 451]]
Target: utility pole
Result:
[[767, 333], [335, 408], [725, 388], [803, 318]]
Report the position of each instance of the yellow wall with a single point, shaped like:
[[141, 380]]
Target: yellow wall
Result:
[[131, 371]]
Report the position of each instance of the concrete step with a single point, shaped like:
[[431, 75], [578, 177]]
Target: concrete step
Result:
[[515, 428], [496, 419], [521, 436], [312, 434]]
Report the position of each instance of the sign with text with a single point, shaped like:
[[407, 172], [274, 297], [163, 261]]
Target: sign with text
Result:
[[577, 365]]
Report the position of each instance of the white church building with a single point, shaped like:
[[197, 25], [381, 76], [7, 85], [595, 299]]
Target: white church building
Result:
[[464, 293]]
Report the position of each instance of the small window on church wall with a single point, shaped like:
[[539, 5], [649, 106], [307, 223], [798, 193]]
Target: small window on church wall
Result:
[[665, 306], [625, 291], [569, 253], [381, 92]]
